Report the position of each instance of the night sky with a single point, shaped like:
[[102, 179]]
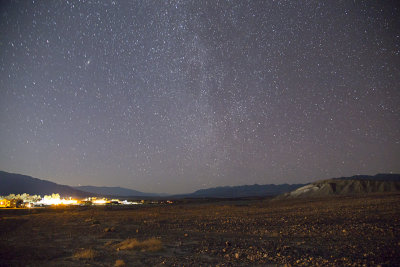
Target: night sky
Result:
[[174, 96]]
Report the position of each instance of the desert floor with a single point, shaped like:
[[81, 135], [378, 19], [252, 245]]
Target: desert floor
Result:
[[337, 231]]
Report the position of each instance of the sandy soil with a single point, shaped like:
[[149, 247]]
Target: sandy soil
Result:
[[339, 231]]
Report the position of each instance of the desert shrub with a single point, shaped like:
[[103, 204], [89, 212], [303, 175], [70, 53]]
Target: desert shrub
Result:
[[151, 244], [85, 254], [119, 263], [109, 243]]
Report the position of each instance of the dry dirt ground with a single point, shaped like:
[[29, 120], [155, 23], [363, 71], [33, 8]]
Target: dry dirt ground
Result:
[[339, 231]]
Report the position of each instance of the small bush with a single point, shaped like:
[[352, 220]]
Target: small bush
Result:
[[119, 263], [151, 244], [85, 254], [109, 229]]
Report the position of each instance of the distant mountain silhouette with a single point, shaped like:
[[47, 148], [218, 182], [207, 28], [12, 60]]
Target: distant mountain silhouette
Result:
[[378, 177], [359, 184], [115, 191], [12, 183], [242, 191]]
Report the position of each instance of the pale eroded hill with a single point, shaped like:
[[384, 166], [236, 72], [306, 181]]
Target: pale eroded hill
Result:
[[348, 186]]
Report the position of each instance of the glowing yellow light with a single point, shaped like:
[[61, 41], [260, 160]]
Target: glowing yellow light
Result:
[[69, 201], [56, 200], [100, 201]]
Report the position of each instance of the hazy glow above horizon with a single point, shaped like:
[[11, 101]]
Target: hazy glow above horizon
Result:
[[174, 96]]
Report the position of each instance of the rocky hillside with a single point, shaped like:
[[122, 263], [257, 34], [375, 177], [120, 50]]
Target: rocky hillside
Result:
[[361, 184]]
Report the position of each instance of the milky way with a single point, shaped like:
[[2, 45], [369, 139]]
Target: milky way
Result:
[[173, 96]]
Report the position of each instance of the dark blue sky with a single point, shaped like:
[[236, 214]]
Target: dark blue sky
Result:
[[174, 96]]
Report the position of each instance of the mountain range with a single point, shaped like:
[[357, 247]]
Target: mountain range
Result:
[[242, 191], [115, 191], [11, 183]]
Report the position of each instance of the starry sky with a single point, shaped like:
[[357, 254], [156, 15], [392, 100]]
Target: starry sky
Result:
[[174, 96]]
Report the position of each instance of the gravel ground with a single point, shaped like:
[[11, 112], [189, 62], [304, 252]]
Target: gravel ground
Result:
[[336, 231]]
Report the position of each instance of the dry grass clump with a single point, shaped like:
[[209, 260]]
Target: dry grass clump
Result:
[[109, 229], [85, 254], [119, 263], [151, 245]]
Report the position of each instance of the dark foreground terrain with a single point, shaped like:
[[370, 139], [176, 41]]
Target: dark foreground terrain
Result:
[[336, 231]]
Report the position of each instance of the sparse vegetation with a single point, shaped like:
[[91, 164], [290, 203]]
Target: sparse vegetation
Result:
[[119, 263], [151, 245], [109, 229], [88, 254]]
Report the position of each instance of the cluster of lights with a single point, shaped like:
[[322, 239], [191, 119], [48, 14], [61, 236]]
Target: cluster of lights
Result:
[[55, 199], [47, 200], [100, 201]]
